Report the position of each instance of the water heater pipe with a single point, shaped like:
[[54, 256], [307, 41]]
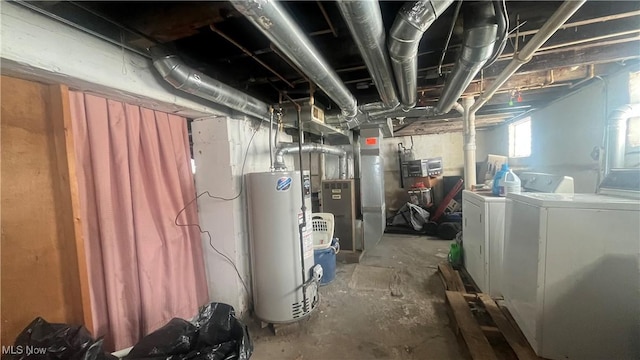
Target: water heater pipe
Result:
[[616, 140], [303, 208], [271, 138], [311, 147]]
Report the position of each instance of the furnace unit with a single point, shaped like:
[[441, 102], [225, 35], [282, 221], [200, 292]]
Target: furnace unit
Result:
[[339, 198]]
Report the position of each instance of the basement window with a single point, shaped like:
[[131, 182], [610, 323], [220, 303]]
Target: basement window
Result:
[[520, 138]]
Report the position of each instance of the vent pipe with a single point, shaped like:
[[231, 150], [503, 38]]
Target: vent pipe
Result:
[[185, 78], [276, 24], [404, 38], [617, 135], [477, 47], [312, 148], [365, 23]]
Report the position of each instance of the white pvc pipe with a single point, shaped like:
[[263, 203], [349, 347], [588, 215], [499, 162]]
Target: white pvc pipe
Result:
[[469, 133], [617, 135], [564, 12]]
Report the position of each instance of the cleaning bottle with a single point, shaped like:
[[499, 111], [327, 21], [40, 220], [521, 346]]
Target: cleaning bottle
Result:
[[496, 179], [510, 184]]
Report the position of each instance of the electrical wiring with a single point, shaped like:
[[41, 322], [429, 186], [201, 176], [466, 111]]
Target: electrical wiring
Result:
[[244, 162]]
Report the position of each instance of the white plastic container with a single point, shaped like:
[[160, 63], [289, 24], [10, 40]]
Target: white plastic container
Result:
[[323, 227], [510, 184]]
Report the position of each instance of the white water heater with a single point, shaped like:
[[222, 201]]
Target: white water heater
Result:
[[277, 262]]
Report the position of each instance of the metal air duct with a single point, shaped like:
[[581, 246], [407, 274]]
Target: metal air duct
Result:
[[365, 23], [185, 78], [274, 22], [617, 135], [477, 47], [407, 30], [309, 148]]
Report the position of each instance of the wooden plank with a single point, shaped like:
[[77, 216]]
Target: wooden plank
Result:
[[446, 271], [67, 180], [457, 280], [477, 343], [451, 278], [517, 342], [492, 333]]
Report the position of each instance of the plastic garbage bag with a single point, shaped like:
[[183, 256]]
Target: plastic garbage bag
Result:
[[175, 338], [215, 334], [412, 215], [46, 341], [449, 230]]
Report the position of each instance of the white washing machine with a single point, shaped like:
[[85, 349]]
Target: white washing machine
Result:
[[483, 228], [571, 270]]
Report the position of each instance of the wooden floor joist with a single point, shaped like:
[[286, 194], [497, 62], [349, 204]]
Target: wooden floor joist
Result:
[[477, 343]]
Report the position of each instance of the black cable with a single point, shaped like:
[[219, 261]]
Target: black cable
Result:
[[175, 221], [502, 18]]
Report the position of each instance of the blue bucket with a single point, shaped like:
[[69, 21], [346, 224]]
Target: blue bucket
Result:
[[327, 259]]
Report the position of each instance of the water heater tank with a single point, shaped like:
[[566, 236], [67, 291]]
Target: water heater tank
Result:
[[275, 201]]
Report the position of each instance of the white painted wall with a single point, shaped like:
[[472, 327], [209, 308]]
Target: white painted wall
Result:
[[447, 145], [565, 132], [219, 146], [38, 48]]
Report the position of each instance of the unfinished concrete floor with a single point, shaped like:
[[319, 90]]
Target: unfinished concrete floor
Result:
[[360, 318]]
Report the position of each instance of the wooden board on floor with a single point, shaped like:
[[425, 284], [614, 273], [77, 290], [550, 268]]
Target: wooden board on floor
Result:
[[474, 338], [494, 323], [451, 278], [515, 339]]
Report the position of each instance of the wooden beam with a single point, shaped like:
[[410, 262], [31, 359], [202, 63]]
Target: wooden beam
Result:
[[618, 50], [477, 343], [70, 224], [590, 21]]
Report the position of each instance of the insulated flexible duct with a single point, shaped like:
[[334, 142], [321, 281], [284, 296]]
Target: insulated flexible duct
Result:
[[365, 23], [477, 47], [278, 26], [410, 24], [185, 78]]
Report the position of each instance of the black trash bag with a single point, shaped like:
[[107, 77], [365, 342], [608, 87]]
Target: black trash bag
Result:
[[178, 337], [215, 334], [449, 230], [46, 341], [218, 324]]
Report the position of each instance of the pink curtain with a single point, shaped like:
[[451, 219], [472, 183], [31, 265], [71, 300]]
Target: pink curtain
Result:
[[134, 174]]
